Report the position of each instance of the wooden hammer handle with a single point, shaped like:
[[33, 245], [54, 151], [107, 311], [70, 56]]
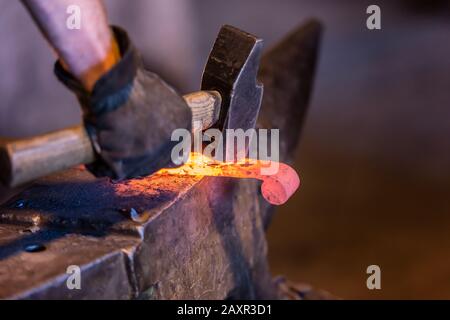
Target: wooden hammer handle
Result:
[[26, 159]]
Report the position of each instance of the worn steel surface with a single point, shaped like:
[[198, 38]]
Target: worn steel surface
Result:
[[42, 274], [162, 237]]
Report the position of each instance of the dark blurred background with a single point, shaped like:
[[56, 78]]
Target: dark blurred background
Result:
[[374, 157]]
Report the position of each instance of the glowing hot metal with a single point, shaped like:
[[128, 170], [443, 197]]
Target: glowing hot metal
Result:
[[276, 188]]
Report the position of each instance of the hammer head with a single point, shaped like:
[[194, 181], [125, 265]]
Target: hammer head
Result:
[[232, 70]]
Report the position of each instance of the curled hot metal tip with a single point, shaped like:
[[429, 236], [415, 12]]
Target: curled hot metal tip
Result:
[[280, 181]]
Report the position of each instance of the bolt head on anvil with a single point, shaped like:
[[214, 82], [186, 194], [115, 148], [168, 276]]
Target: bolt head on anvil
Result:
[[232, 70]]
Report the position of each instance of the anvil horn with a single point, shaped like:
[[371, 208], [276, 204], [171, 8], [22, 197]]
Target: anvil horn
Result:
[[287, 72]]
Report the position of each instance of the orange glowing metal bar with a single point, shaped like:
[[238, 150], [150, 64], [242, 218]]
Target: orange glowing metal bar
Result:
[[276, 188]]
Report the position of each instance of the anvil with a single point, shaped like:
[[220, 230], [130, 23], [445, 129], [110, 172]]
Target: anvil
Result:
[[165, 237]]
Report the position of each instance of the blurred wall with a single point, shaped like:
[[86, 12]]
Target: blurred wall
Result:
[[375, 153]]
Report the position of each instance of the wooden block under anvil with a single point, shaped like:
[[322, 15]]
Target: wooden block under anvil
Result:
[[163, 237]]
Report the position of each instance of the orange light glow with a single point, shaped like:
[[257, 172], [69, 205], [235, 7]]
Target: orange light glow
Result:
[[276, 188]]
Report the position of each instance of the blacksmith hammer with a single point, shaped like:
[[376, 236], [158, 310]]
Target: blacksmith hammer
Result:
[[230, 99]]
